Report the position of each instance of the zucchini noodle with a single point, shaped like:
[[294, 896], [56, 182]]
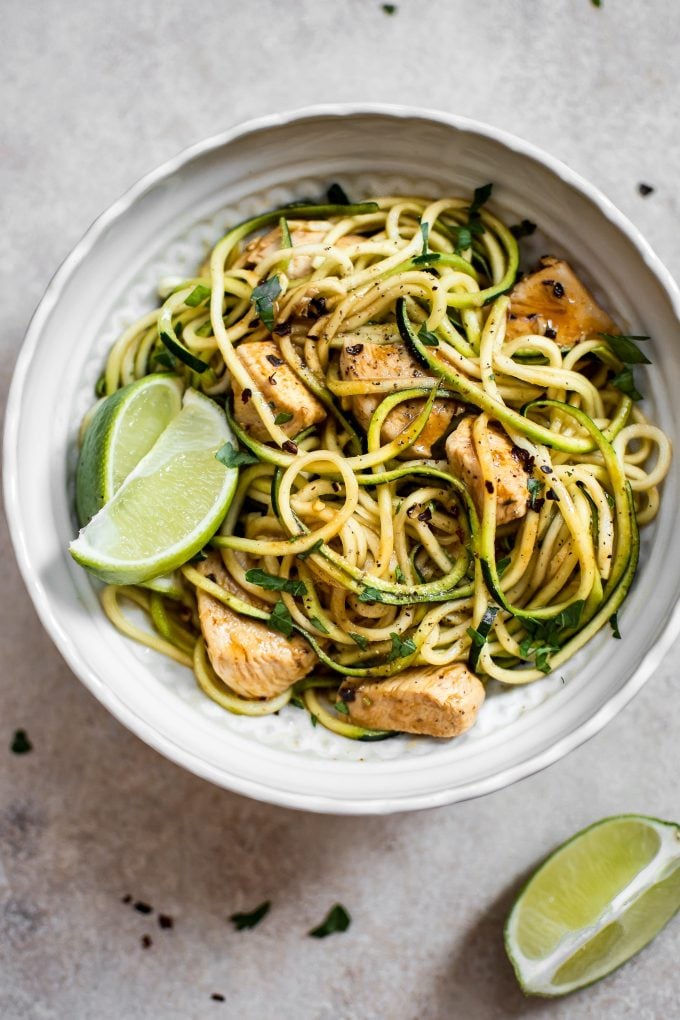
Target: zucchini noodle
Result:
[[385, 553]]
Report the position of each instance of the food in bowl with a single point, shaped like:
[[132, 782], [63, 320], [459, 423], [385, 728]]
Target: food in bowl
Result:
[[358, 465]]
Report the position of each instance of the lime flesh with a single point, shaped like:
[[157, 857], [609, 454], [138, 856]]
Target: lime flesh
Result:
[[123, 429], [169, 506], [598, 900]]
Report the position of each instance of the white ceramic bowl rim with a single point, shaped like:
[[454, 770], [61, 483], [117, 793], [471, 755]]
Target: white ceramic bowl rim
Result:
[[69, 649]]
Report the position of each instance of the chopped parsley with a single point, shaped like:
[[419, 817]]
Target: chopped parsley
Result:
[[20, 743], [198, 295], [280, 619], [316, 622], [399, 575], [360, 640], [425, 231], [370, 595], [400, 649], [270, 582], [502, 565], [626, 348], [337, 919], [614, 624], [283, 417], [543, 637], [231, 457], [242, 921], [341, 707], [389, 8], [263, 298]]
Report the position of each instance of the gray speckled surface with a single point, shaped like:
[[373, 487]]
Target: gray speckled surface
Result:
[[94, 94]]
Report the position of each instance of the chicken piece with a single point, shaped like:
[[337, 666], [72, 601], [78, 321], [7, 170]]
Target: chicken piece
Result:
[[281, 388], [301, 232], [553, 302], [510, 472], [371, 362], [251, 659], [440, 701]]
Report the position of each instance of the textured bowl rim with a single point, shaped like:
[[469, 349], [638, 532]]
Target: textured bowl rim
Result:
[[69, 649]]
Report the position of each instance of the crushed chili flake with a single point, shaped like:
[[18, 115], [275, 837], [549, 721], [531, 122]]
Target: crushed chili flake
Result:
[[283, 329], [146, 941], [551, 494], [347, 694], [558, 289], [318, 306], [354, 349], [165, 921], [273, 360], [246, 395], [550, 332], [645, 189], [524, 458], [217, 996], [126, 899], [143, 908], [489, 486], [290, 447], [426, 515]]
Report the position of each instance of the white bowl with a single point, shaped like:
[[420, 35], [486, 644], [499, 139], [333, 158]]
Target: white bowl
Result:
[[163, 225]]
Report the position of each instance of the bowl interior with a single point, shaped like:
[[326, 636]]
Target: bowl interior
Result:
[[164, 228]]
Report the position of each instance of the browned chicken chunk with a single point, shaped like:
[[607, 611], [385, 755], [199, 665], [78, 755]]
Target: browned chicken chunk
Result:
[[281, 388], [510, 479], [553, 302], [368, 362], [440, 701], [301, 232], [251, 659]]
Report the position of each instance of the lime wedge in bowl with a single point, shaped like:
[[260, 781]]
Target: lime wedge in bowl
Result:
[[122, 430], [168, 507], [598, 900]]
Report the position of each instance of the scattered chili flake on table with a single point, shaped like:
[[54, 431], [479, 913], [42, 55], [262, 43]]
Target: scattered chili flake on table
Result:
[[165, 921], [146, 941], [645, 189], [20, 743], [143, 908], [126, 899], [217, 996]]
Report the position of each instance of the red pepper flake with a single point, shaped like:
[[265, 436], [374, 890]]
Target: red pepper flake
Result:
[[550, 332], [217, 997], [488, 485], [146, 941], [355, 349], [126, 899], [283, 329], [273, 360], [645, 189], [165, 921], [143, 908], [347, 694], [318, 306], [290, 447], [426, 515], [246, 395]]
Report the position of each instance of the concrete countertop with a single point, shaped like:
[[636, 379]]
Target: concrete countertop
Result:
[[94, 94]]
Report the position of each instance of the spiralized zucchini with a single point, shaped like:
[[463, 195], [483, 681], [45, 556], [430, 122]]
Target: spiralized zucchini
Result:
[[398, 565]]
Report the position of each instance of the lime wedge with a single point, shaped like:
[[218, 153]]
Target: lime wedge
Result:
[[598, 900], [122, 430], [170, 504]]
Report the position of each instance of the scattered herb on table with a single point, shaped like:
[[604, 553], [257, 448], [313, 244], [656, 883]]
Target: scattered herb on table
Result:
[[20, 743], [645, 189], [337, 919], [250, 919], [389, 8]]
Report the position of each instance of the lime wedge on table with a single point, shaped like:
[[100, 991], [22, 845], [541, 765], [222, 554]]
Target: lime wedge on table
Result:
[[122, 430], [598, 900], [170, 504]]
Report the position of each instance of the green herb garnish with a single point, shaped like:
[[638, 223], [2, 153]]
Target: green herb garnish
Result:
[[535, 489], [525, 228], [625, 381], [231, 457], [251, 919], [425, 231], [20, 743], [626, 348], [337, 919], [543, 638], [427, 338], [614, 623], [360, 640], [270, 582], [341, 707], [400, 649], [316, 622], [286, 239], [280, 619], [399, 575], [283, 417], [197, 296], [312, 549], [502, 565], [337, 195], [389, 8], [370, 595], [263, 298]]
